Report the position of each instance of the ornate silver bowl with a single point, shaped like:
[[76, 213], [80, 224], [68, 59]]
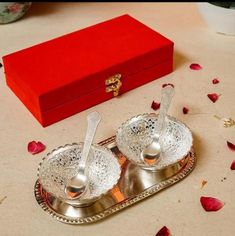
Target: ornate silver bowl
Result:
[[61, 164], [136, 134]]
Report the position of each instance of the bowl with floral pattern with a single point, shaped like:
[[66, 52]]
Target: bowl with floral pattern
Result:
[[12, 11]]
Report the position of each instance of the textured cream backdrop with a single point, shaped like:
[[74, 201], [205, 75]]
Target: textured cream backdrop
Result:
[[194, 42]]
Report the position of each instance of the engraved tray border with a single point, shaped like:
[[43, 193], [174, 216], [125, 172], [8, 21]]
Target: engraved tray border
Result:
[[41, 195]]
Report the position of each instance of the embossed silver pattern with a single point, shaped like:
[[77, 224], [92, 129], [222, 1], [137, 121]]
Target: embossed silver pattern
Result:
[[61, 164], [137, 133], [145, 184]]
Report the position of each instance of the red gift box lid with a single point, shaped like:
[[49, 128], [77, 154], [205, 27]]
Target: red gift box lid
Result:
[[65, 68]]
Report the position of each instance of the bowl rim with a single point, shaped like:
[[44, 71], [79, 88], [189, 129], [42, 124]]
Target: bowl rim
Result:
[[82, 200], [154, 167]]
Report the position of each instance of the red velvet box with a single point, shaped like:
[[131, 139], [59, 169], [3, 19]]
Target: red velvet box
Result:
[[71, 73]]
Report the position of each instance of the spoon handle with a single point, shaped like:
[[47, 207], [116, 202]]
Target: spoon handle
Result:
[[167, 95], [93, 120]]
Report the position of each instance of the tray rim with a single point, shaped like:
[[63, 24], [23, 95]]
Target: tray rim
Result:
[[42, 201]]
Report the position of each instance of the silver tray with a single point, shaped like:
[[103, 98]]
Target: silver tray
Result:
[[135, 184]]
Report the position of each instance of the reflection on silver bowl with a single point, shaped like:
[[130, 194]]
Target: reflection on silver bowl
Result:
[[136, 134], [61, 164]]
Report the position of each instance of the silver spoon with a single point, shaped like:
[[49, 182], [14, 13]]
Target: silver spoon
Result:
[[151, 154], [78, 185]]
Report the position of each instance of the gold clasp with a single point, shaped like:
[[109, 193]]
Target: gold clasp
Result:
[[113, 84]]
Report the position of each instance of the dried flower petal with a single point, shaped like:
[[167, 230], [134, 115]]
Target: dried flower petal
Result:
[[204, 182], [164, 85], [35, 147], [231, 146], [155, 105], [2, 199], [213, 97], [185, 110], [232, 167], [164, 231], [215, 81], [211, 204], [227, 122], [195, 66]]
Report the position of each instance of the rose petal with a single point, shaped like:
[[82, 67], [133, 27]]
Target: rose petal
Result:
[[155, 105], [213, 97], [232, 167], [164, 85], [35, 147], [231, 146], [195, 66], [211, 204], [185, 110], [164, 231], [215, 81]]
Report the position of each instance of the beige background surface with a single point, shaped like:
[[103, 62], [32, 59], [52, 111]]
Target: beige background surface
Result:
[[177, 207]]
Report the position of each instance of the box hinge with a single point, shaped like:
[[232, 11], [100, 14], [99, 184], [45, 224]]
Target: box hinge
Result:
[[113, 84]]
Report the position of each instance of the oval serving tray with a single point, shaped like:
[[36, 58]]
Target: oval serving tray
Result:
[[135, 184]]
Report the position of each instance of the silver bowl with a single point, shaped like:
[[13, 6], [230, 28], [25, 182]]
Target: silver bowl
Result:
[[61, 164], [136, 134]]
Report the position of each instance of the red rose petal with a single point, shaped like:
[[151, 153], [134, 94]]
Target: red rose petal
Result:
[[211, 204], [232, 167], [164, 85], [185, 110], [215, 81], [231, 146], [213, 97], [155, 105], [35, 147], [164, 231], [195, 66]]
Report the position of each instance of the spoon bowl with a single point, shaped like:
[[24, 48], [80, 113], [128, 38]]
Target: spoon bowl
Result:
[[78, 185], [151, 154]]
